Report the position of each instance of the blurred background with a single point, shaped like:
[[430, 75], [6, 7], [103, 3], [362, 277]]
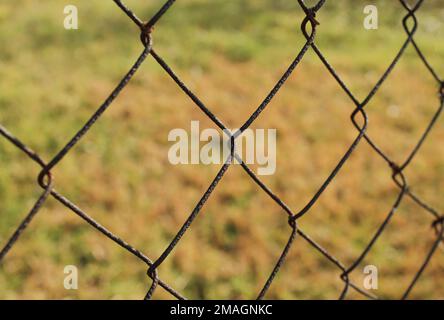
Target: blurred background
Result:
[[231, 53]]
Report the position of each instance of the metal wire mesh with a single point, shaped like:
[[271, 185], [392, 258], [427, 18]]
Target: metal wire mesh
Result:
[[309, 29]]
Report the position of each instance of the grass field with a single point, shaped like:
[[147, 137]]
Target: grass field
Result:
[[230, 52]]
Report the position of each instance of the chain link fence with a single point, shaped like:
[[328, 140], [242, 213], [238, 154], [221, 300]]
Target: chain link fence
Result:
[[309, 26]]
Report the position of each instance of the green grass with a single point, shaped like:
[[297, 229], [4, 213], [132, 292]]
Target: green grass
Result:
[[230, 53]]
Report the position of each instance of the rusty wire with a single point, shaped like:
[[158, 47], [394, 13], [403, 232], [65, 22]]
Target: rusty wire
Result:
[[309, 28]]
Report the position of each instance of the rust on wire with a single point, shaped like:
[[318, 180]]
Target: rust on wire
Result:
[[295, 233]]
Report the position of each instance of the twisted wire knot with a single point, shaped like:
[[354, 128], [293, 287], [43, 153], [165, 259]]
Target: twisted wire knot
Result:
[[311, 16], [438, 221], [441, 90], [396, 168], [145, 35]]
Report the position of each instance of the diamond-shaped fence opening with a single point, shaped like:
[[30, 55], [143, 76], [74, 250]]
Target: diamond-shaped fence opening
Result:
[[359, 118]]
